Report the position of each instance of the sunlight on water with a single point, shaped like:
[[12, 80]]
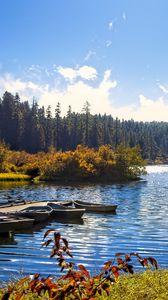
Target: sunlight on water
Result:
[[140, 224], [157, 169]]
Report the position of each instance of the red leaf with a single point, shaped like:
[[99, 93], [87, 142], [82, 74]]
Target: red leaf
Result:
[[127, 257], [143, 262], [19, 295], [65, 242], [45, 244], [119, 254], [120, 261], [23, 280], [115, 271], [107, 265], [135, 254], [47, 232], [50, 284], [36, 276], [153, 262], [84, 271], [57, 237]]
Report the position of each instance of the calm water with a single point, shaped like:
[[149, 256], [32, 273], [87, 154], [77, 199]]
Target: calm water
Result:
[[140, 224]]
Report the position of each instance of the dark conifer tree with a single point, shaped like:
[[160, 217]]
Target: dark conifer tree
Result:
[[49, 130], [57, 127]]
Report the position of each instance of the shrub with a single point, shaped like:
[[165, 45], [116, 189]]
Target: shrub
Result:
[[77, 283]]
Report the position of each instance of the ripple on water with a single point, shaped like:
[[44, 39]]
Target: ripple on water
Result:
[[140, 225]]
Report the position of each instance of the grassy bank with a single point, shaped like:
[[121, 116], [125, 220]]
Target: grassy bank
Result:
[[150, 285], [147, 286], [14, 177]]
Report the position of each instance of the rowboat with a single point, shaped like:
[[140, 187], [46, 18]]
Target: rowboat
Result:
[[38, 213], [64, 203], [95, 207], [11, 223], [65, 212], [60, 204]]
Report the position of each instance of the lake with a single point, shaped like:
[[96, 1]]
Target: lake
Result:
[[140, 224]]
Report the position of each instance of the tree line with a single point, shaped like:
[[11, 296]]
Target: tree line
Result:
[[34, 129]]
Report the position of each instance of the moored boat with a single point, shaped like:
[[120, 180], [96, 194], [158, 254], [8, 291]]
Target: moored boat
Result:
[[95, 207], [12, 223], [66, 212], [60, 204], [38, 213]]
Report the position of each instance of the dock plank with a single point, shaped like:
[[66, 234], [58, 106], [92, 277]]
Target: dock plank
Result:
[[12, 208]]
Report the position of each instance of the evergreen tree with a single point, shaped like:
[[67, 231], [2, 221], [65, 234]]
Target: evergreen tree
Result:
[[57, 127]]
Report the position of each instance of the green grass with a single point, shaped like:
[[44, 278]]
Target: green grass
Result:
[[150, 285], [14, 177]]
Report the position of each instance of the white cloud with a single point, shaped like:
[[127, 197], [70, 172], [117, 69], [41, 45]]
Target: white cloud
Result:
[[67, 73], [153, 109], [85, 72], [77, 92], [26, 89], [147, 110], [9, 83]]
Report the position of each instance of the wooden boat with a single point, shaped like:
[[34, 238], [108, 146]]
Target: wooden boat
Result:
[[95, 207], [11, 223], [60, 204], [65, 212], [38, 213]]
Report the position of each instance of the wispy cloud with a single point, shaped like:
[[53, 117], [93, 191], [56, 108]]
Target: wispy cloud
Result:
[[124, 16], [108, 43], [110, 25], [89, 55], [163, 88]]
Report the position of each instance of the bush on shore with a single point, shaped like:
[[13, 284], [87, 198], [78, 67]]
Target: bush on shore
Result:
[[150, 285], [103, 164], [78, 283]]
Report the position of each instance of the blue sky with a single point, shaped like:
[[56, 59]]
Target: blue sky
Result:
[[110, 53]]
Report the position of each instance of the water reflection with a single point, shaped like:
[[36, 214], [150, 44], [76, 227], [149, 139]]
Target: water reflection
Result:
[[7, 240]]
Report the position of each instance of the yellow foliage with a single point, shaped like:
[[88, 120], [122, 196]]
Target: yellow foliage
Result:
[[84, 162]]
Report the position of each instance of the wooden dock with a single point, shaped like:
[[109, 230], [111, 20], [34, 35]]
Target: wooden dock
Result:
[[16, 207]]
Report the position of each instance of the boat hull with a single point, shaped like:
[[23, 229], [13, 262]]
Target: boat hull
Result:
[[95, 207], [12, 224], [38, 216], [68, 213]]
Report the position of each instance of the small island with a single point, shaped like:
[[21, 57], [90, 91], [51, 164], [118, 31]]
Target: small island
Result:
[[83, 164]]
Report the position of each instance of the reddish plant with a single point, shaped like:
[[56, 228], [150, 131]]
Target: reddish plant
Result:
[[77, 283]]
